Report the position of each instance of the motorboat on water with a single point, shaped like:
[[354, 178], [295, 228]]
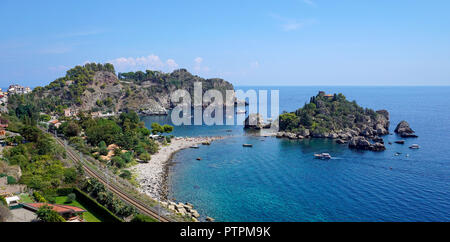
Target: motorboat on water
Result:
[[323, 156], [414, 146]]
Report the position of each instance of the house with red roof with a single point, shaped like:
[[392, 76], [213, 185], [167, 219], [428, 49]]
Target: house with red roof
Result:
[[70, 213]]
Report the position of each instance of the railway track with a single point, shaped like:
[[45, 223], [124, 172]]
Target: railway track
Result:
[[114, 189]]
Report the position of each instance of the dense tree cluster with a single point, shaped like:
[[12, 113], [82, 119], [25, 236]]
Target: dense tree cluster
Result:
[[69, 88], [39, 158], [98, 191]]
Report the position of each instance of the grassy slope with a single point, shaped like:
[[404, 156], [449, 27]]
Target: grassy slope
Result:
[[88, 216]]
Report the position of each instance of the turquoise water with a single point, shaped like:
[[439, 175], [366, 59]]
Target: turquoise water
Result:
[[278, 179]]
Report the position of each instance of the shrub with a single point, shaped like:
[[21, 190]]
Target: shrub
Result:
[[11, 180], [125, 174], [118, 162], [46, 214], [145, 157], [70, 198], [38, 197], [140, 218]]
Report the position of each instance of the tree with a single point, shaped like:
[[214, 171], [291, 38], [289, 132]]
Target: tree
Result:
[[167, 128], [104, 130], [118, 162], [145, 157], [47, 214], [70, 198], [157, 128], [71, 129], [125, 174]]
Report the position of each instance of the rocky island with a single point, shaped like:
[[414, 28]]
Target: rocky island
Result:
[[333, 116]]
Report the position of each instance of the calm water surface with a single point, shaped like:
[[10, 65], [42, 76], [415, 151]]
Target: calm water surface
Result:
[[278, 179]]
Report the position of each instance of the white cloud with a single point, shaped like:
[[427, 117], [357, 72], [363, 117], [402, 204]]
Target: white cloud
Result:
[[171, 64], [198, 65], [150, 62]]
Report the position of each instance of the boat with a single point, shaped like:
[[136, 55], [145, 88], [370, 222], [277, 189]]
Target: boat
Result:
[[247, 145], [194, 147], [399, 141], [414, 146], [323, 156]]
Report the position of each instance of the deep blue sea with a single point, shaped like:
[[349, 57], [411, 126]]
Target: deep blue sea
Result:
[[279, 180]]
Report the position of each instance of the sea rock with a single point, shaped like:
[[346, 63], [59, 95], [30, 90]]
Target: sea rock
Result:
[[254, 121], [341, 141], [305, 133], [360, 143], [377, 147], [280, 134], [378, 139], [404, 130], [333, 136], [195, 214], [209, 219]]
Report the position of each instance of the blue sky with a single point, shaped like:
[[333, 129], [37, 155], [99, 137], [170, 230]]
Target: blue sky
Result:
[[296, 42]]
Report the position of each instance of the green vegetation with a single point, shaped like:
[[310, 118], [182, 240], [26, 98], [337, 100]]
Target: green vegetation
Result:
[[324, 114], [140, 218], [87, 216], [68, 91], [40, 159], [106, 198], [46, 214]]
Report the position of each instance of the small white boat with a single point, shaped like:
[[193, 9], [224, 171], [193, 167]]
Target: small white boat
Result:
[[414, 146], [323, 156], [194, 147]]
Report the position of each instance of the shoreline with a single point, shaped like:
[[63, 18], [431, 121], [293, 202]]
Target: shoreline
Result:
[[152, 176]]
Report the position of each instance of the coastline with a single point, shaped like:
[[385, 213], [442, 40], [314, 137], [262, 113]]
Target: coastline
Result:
[[152, 176]]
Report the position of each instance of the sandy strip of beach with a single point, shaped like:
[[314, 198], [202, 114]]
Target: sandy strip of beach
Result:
[[151, 176]]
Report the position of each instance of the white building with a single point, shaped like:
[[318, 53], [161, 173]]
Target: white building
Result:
[[18, 89]]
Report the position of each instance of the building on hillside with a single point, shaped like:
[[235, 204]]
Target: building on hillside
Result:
[[70, 213], [68, 112], [18, 89]]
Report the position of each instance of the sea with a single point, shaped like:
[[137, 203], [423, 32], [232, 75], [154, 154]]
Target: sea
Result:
[[279, 179]]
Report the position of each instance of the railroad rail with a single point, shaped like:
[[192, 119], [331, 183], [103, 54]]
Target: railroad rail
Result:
[[114, 189]]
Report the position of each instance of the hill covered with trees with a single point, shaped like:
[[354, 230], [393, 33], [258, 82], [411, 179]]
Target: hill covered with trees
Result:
[[333, 116], [96, 87]]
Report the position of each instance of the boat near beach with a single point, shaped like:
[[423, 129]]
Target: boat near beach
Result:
[[194, 147], [323, 156]]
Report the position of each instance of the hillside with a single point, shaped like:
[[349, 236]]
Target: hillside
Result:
[[96, 87]]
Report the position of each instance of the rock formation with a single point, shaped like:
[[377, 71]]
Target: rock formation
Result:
[[404, 130]]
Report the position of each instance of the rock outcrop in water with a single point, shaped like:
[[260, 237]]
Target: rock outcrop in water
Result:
[[404, 130], [334, 117], [255, 121]]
